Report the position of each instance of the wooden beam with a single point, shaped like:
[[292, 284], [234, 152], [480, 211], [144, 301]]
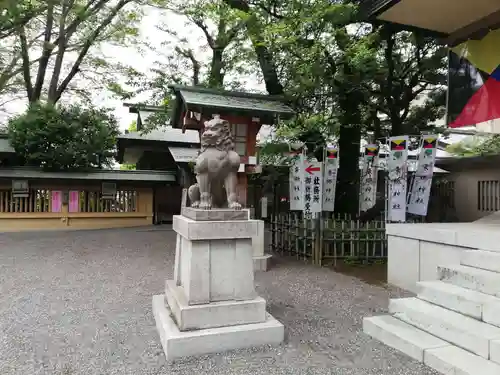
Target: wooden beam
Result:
[[372, 8], [475, 30], [414, 29]]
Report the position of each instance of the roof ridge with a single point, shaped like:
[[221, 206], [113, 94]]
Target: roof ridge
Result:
[[237, 94]]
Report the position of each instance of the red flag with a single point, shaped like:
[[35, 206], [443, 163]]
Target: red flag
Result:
[[484, 105]]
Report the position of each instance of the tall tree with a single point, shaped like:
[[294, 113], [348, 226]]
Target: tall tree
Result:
[[52, 48], [408, 88], [265, 58], [353, 74], [222, 36]]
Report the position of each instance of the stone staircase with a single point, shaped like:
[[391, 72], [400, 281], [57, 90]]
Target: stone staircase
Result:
[[453, 325]]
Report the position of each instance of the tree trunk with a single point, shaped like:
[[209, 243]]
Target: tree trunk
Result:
[[268, 68], [85, 48], [264, 56], [347, 197], [47, 51], [216, 76], [394, 115], [61, 50], [26, 65]]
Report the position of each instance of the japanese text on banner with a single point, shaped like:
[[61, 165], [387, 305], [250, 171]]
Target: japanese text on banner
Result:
[[330, 178], [296, 181], [398, 180], [421, 187], [369, 174]]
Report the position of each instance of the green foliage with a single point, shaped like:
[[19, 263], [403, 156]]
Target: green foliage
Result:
[[130, 167], [224, 41], [15, 13], [38, 62], [64, 138], [409, 84], [476, 146], [132, 127], [491, 146], [314, 131]]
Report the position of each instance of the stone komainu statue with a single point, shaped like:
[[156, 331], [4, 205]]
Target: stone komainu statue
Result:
[[216, 169]]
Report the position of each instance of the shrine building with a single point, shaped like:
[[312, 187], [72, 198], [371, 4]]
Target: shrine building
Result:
[[176, 145]]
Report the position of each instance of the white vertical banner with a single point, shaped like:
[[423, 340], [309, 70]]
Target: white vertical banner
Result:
[[330, 178], [421, 187], [263, 207], [313, 188], [296, 181], [369, 174], [397, 169]]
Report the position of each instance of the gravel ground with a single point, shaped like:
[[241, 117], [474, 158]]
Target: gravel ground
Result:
[[80, 303]]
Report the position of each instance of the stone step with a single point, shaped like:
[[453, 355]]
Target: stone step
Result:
[[471, 278], [486, 260], [456, 298], [453, 360], [401, 336], [458, 329]]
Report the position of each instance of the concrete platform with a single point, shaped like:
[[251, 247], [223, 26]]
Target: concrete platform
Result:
[[216, 214], [463, 331], [193, 230], [491, 313], [455, 271], [453, 360], [262, 262], [416, 250], [212, 315], [456, 298], [486, 260], [401, 336], [177, 344], [424, 347], [483, 281]]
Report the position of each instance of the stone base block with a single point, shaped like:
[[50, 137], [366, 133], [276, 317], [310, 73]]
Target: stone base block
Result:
[[262, 263], [177, 344], [196, 230], [214, 314], [216, 214]]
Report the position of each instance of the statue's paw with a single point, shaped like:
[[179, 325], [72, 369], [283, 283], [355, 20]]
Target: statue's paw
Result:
[[195, 204], [205, 206], [235, 206]]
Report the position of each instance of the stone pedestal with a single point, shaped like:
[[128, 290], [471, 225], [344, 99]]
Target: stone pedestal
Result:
[[211, 305], [261, 261]]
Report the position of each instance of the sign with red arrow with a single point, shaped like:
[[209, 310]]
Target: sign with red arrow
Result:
[[313, 168], [313, 189]]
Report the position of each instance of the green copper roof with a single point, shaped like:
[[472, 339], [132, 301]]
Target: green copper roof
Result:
[[257, 104], [200, 99]]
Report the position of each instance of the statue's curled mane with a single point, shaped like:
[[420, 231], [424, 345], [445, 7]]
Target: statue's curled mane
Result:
[[221, 131]]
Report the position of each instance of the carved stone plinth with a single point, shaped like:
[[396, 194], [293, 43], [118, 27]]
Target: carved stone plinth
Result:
[[211, 305]]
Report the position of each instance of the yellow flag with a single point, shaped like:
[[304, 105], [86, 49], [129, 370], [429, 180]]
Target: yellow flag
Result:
[[484, 54]]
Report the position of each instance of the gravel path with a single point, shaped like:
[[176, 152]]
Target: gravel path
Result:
[[80, 303]]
